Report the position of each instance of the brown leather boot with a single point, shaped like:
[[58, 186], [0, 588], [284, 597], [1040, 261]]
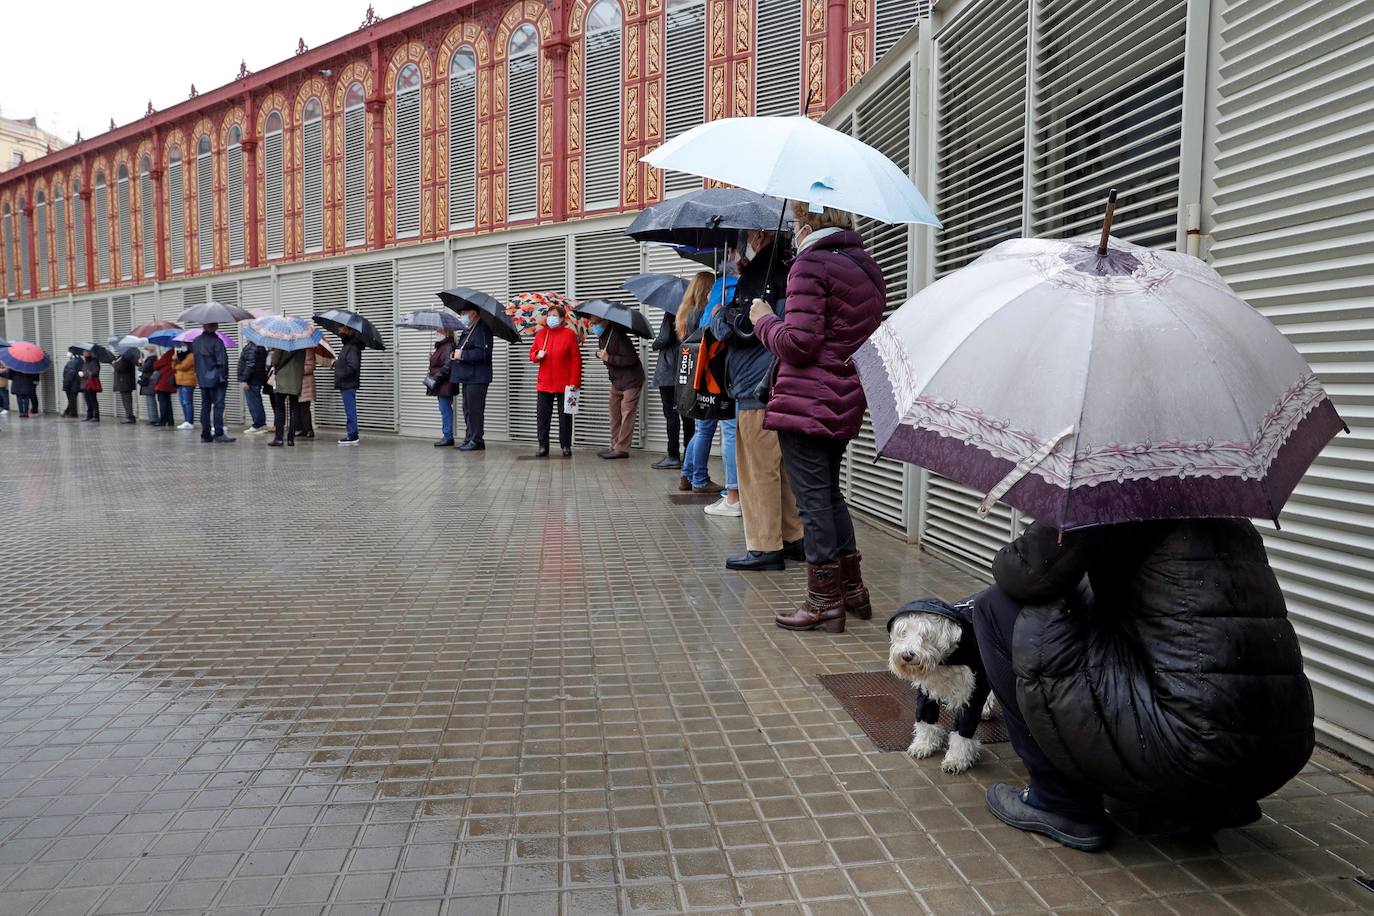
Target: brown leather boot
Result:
[[824, 605], [856, 600]]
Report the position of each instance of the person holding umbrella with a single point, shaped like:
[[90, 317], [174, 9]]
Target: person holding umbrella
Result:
[[666, 292], [4, 391], [471, 369], [185, 367], [559, 357], [147, 366], [89, 374], [212, 376], [164, 386], [124, 368], [288, 374], [252, 375], [24, 361], [439, 383], [356, 332], [612, 324], [305, 420], [71, 384]]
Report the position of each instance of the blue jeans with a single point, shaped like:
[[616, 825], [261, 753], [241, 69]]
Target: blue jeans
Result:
[[727, 450], [696, 457], [253, 397], [446, 415], [350, 402], [151, 399], [4, 399], [187, 395], [212, 412]]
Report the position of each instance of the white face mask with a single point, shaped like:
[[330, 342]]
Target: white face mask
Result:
[[750, 252]]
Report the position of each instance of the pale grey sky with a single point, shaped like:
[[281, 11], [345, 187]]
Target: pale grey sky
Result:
[[75, 64]]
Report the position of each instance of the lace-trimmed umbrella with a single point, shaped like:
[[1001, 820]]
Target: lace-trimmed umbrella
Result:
[[1087, 384]]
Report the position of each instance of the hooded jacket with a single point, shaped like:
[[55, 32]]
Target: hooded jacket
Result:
[[252, 368], [348, 368], [622, 359], [165, 366], [186, 370], [665, 345], [71, 375], [1173, 674], [123, 369], [290, 372]]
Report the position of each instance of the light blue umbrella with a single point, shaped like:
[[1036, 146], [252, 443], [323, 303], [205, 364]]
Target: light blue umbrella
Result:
[[797, 159], [164, 338], [278, 332]]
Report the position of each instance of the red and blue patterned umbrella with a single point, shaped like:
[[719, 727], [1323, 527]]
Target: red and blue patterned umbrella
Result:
[[527, 310], [22, 356]]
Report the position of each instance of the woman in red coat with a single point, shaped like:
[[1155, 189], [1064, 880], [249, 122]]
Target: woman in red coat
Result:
[[165, 386], [557, 352]]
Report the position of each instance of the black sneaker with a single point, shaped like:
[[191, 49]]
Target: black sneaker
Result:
[[1010, 807], [473, 447], [757, 561], [443, 443], [666, 464], [794, 550], [225, 440]]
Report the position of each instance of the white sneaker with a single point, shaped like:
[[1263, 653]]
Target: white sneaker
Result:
[[724, 508], [4, 413], [185, 425]]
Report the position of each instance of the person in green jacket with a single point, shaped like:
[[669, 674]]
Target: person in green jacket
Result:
[[288, 375]]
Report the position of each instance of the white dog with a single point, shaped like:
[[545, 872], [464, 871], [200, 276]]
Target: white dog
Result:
[[933, 647]]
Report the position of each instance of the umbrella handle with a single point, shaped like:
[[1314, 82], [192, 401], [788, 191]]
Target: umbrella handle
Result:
[[1107, 224]]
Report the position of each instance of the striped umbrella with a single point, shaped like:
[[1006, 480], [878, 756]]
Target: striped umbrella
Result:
[[278, 332]]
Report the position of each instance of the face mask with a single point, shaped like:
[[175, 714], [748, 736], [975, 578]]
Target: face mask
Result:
[[464, 321], [750, 252], [554, 321], [599, 329]]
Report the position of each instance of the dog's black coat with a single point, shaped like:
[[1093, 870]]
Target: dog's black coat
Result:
[[966, 653]]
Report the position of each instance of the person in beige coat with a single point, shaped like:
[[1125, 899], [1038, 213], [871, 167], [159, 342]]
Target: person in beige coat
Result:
[[305, 423]]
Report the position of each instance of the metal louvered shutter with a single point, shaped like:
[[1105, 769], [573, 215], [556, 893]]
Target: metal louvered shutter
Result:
[[145, 307], [149, 224], [124, 202], [486, 268], [12, 272], [102, 232], [1108, 113], [328, 290], [233, 191], [954, 529], [100, 333], [47, 380], [227, 292], [522, 139], [873, 485], [121, 315], [24, 241], [601, 263], [176, 216], [684, 82], [462, 150], [417, 280], [312, 184], [893, 19], [60, 236], [374, 297], [535, 267], [407, 152], [274, 194], [1290, 204], [980, 139], [205, 212], [40, 222], [778, 67], [257, 293], [601, 120], [355, 176], [79, 233], [194, 295]]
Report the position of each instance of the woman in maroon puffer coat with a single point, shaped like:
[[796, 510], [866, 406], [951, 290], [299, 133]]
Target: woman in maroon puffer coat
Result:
[[835, 299]]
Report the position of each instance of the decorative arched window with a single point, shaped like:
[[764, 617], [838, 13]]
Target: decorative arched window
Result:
[[149, 217], [205, 204], [59, 226], [12, 274], [40, 222], [312, 175], [601, 110], [684, 79], [778, 66], [176, 209], [355, 166], [274, 185], [462, 139], [79, 232], [102, 229], [522, 126], [233, 193], [125, 216], [24, 248], [406, 151]]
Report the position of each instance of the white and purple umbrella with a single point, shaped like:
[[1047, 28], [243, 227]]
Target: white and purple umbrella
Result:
[[1088, 389], [188, 336]]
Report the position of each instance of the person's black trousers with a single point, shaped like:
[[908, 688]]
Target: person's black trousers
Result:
[[994, 619], [475, 412], [813, 466], [548, 403], [284, 416], [126, 400], [71, 410], [92, 405], [305, 420], [675, 421], [164, 408]]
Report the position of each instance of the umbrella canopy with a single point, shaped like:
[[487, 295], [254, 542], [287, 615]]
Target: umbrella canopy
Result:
[[4, 342], [164, 338], [152, 327], [630, 319], [489, 309], [22, 356], [709, 218], [185, 337], [1086, 389], [100, 351], [430, 320], [214, 313], [324, 354], [334, 319], [280, 333], [797, 159], [130, 342], [663, 291], [526, 309]]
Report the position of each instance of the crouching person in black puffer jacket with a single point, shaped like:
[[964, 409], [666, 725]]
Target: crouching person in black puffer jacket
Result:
[[1151, 662]]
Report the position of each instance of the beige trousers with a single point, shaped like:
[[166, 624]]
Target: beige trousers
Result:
[[770, 509], [624, 411]]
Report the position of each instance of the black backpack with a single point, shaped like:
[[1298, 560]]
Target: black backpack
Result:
[[700, 389]]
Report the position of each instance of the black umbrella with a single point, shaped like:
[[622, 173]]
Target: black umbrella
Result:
[[430, 320], [101, 352], [489, 310], [628, 318], [214, 313], [334, 319], [663, 291], [709, 218]]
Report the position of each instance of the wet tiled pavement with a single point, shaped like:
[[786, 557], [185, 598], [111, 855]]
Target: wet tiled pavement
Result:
[[394, 680]]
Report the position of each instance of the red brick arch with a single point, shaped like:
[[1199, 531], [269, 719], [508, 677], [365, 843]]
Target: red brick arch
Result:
[[536, 14], [274, 101]]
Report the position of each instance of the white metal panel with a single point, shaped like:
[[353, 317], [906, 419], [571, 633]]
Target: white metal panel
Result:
[[1290, 202], [535, 266], [406, 149], [148, 215], [40, 221], [205, 210], [60, 227], [601, 121], [99, 324], [102, 230], [601, 263], [233, 170], [893, 19], [778, 60], [145, 307], [42, 316], [954, 530], [658, 259], [256, 292], [121, 314], [355, 175], [462, 146], [124, 202], [274, 193], [417, 280], [522, 137], [328, 289], [227, 291], [176, 215], [486, 268], [374, 297], [684, 81]]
